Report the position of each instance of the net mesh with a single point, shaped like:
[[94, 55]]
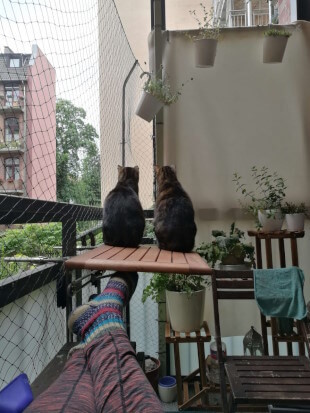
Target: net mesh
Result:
[[69, 86]]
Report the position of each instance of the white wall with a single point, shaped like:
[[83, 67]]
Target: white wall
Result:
[[235, 115]]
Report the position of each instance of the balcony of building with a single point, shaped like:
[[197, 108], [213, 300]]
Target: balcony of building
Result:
[[12, 147], [238, 113]]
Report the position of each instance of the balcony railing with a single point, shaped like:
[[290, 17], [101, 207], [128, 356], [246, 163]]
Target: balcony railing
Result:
[[17, 146], [239, 18]]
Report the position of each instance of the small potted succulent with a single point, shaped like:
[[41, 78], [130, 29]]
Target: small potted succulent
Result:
[[265, 201], [230, 251], [275, 41], [294, 216], [185, 296], [157, 92], [207, 38]]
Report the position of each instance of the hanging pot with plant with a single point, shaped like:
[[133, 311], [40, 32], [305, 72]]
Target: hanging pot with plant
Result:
[[294, 216], [275, 42], [206, 40], [157, 92]]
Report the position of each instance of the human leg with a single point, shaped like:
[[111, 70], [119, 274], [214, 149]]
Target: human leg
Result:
[[119, 383], [71, 392]]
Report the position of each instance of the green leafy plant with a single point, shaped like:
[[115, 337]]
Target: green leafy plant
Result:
[[207, 29], [292, 208], [277, 33], [160, 88], [268, 194], [228, 249], [172, 282]]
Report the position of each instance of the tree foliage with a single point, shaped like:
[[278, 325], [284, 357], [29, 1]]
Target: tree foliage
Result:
[[77, 156]]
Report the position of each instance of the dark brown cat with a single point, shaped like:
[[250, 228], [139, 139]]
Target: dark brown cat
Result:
[[123, 217], [174, 223]]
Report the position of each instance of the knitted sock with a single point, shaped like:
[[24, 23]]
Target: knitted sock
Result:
[[105, 311]]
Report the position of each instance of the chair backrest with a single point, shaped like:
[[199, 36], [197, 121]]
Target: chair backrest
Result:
[[233, 285]]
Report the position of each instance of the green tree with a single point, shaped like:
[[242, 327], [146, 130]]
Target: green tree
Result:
[[77, 156]]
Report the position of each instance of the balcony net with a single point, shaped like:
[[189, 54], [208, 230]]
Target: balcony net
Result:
[[69, 86]]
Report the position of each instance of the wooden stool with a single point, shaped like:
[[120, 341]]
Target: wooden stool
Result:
[[202, 386], [281, 236]]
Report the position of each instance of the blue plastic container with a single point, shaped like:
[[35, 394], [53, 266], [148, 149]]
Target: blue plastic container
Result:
[[167, 381], [167, 389], [16, 396]]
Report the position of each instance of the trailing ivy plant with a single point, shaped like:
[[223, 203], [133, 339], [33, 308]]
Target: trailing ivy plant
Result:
[[160, 87]]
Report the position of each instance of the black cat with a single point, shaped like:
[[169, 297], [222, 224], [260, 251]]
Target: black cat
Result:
[[174, 214], [123, 217]]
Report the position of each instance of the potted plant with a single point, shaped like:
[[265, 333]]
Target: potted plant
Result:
[[185, 296], [294, 216], [266, 200], [275, 41], [207, 38], [157, 92], [230, 251]]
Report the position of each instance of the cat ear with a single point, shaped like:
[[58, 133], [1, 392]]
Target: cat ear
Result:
[[119, 168], [156, 168], [136, 168], [173, 168]]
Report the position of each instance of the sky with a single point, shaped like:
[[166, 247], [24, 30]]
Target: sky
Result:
[[66, 32]]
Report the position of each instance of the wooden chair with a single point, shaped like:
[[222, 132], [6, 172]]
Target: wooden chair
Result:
[[256, 380]]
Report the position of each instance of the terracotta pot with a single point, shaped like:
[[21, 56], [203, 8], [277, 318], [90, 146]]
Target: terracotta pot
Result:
[[186, 312], [274, 48], [270, 224], [295, 222], [153, 375], [148, 106], [205, 52]]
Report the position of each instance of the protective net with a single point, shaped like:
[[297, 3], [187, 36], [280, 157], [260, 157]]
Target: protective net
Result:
[[69, 86]]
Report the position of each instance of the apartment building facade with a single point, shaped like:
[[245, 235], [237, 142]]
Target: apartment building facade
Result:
[[27, 125]]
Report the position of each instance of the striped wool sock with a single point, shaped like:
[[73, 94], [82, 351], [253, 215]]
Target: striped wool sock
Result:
[[105, 311]]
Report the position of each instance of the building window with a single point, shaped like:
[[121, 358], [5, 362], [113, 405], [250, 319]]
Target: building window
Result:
[[14, 62], [11, 166], [11, 95], [11, 129]]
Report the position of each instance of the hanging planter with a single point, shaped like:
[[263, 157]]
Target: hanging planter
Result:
[[148, 106], [206, 40], [205, 52], [157, 92], [275, 42]]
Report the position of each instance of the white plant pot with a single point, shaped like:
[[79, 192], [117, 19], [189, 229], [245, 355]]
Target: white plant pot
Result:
[[167, 389], [274, 48], [270, 224], [295, 222], [205, 52], [186, 312], [148, 106]]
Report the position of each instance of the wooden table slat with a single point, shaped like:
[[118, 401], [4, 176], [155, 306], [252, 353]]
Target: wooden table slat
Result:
[[270, 374], [165, 256], [109, 253], [138, 254], [274, 396], [79, 260], [178, 258], [151, 255], [124, 254], [275, 380], [277, 387]]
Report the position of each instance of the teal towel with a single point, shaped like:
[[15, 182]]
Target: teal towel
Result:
[[279, 292]]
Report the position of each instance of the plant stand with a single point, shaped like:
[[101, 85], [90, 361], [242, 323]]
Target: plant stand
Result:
[[201, 384], [281, 236]]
